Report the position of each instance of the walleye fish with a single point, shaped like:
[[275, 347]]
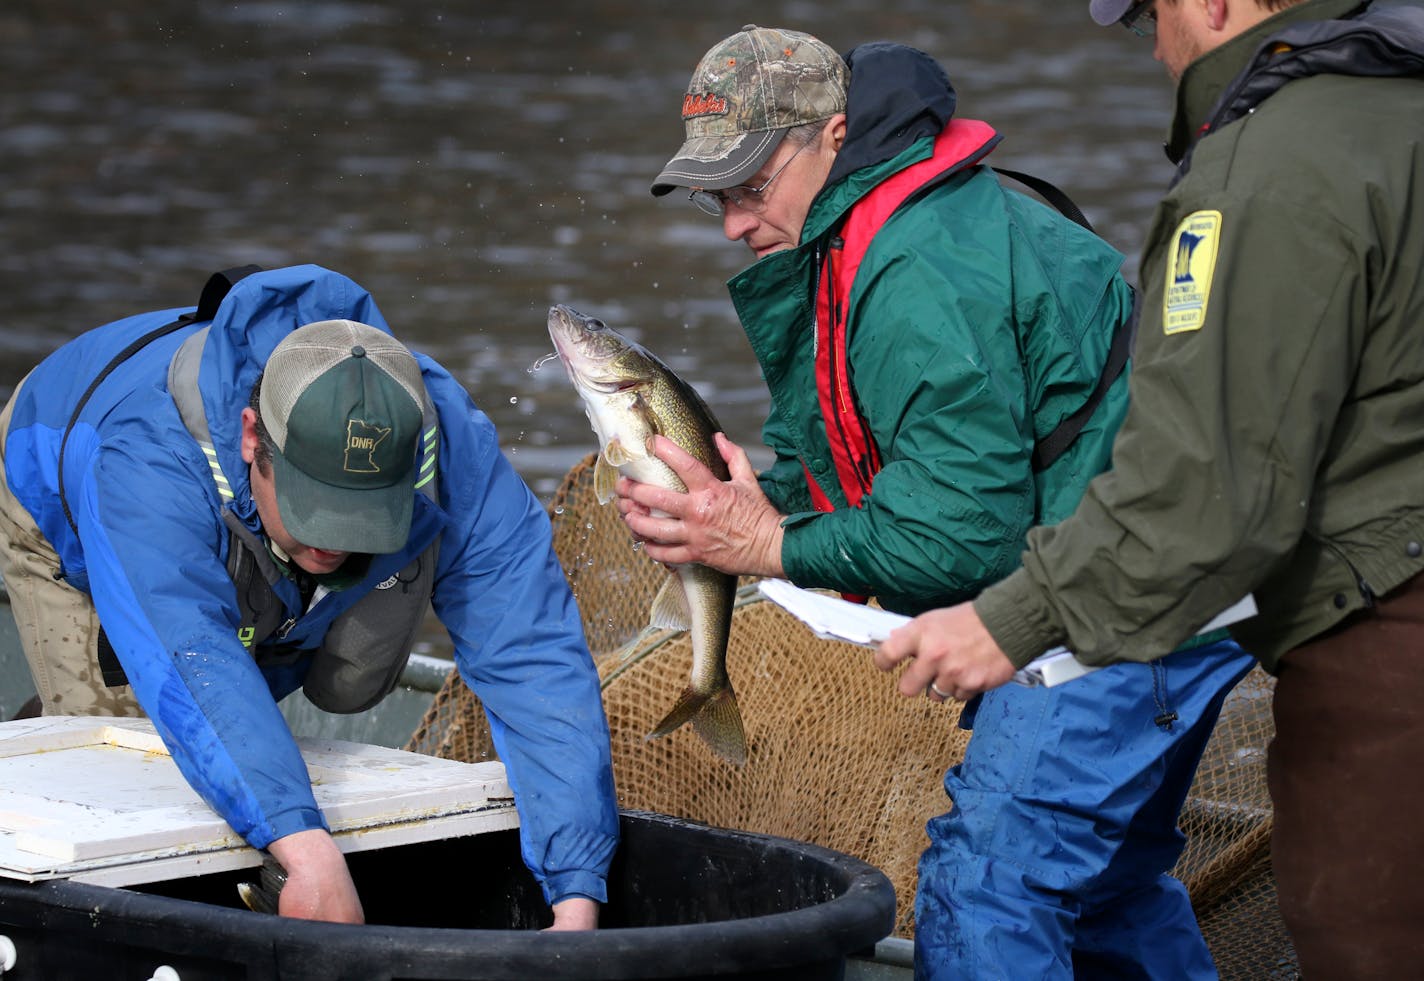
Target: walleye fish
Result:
[[629, 396]]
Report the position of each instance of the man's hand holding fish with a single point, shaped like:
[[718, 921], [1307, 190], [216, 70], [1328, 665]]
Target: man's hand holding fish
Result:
[[729, 525]]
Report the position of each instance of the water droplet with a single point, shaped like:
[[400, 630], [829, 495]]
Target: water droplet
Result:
[[514, 400], [559, 509]]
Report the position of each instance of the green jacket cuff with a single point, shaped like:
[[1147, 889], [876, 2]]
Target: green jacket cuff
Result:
[[794, 531], [1018, 618]]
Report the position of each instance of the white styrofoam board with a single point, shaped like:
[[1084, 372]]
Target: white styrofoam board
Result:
[[100, 799]]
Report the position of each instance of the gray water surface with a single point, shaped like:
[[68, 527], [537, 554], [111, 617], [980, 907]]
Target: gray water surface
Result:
[[472, 163]]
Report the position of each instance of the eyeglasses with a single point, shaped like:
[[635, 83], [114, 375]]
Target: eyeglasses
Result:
[[748, 199], [1141, 18]]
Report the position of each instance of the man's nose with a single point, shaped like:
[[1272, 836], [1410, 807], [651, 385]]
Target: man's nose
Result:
[[736, 223]]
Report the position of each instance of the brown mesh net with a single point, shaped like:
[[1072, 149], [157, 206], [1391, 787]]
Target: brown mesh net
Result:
[[844, 762]]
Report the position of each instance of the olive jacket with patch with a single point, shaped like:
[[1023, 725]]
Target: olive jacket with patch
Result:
[[1274, 442]]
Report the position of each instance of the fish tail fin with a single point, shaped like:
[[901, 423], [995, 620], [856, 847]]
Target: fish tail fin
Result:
[[715, 717], [720, 726]]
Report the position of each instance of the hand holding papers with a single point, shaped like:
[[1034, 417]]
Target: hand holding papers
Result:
[[836, 619]]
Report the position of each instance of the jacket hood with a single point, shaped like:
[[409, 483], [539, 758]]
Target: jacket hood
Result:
[[257, 313], [897, 95]]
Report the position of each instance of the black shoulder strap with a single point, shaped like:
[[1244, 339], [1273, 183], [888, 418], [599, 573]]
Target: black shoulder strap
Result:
[[1050, 193], [1047, 450], [217, 287]]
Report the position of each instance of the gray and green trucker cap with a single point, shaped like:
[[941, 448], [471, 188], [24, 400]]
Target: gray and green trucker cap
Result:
[[342, 401], [746, 93]]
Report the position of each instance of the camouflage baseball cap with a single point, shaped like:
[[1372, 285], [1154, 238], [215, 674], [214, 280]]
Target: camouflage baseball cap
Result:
[[747, 91]]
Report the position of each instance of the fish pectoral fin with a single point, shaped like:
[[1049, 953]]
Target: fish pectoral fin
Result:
[[605, 475], [715, 717], [670, 610], [616, 453]]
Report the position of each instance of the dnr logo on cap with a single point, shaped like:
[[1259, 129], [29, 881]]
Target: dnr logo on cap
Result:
[[361, 442]]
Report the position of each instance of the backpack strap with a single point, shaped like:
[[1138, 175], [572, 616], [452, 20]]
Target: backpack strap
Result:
[[217, 287], [1051, 193], [1047, 450]]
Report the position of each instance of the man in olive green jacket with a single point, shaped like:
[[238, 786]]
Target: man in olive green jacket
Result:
[[1274, 445]]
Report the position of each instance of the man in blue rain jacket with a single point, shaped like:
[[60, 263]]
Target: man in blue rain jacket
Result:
[[220, 513]]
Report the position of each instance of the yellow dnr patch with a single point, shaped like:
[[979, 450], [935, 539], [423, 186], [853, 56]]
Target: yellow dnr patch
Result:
[[1189, 271]]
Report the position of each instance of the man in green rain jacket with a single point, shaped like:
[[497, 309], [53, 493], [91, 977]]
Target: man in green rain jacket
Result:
[[914, 406], [1275, 445]]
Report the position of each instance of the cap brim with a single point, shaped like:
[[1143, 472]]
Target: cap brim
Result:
[[343, 519], [718, 162], [1107, 12]]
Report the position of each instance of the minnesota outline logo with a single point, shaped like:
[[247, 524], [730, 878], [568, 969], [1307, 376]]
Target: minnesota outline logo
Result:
[[361, 442], [1189, 272]]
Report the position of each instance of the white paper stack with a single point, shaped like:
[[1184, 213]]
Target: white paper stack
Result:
[[832, 618]]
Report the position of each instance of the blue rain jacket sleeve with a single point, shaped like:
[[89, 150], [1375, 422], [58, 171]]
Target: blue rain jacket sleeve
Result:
[[519, 645], [170, 613]]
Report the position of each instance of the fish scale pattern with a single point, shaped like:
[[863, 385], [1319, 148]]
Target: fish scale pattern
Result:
[[835, 757]]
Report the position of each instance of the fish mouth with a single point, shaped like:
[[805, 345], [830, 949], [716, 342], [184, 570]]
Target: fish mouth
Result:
[[587, 348], [566, 325]]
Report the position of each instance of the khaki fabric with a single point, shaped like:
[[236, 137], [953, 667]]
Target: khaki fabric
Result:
[[58, 627]]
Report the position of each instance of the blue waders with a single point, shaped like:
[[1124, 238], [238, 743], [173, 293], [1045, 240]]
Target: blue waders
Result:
[[1052, 863]]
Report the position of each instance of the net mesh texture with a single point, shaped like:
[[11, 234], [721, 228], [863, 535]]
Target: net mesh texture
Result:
[[836, 757]]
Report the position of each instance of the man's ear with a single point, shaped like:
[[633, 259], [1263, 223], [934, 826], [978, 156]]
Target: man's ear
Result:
[[249, 435], [1218, 12], [834, 132]]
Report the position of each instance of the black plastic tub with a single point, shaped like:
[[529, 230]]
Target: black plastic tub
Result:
[[685, 901]]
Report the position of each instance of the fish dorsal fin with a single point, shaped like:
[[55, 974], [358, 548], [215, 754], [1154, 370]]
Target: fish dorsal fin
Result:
[[670, 609]]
